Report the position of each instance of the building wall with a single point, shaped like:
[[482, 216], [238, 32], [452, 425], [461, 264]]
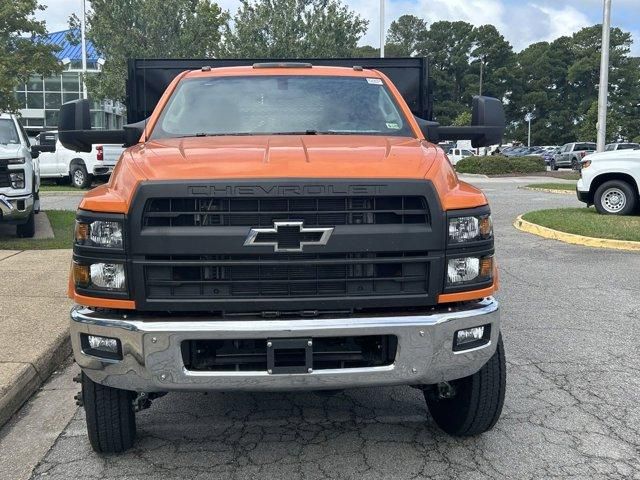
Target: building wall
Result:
[[40, 100]]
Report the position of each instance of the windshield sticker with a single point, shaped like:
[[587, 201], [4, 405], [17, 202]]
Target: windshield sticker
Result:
[[393, 126], [374, 81]]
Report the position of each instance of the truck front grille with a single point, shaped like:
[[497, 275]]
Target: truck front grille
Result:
[[287, 276], [257, 212]]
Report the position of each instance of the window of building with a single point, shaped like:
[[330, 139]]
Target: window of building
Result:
[[53, 100], [21, 97], [51, 118], [35, 100], [70, 82], [52, 84], [34, 84]]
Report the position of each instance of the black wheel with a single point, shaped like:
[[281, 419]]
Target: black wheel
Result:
[[111, 421], [80, 178], [476, 401], [554, 167], [575, 165], [615, 197], [27, 230]]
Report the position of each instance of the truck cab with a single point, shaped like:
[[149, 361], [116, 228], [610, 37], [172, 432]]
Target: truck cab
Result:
[[285, 226], [19, 177]]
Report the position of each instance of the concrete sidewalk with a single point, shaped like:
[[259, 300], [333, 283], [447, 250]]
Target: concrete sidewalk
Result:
[[34, 322]]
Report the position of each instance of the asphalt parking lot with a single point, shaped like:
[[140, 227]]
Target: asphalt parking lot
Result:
[[571, 317]]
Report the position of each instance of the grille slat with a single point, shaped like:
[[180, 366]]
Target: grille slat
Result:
[[258, 212], [253, 276]]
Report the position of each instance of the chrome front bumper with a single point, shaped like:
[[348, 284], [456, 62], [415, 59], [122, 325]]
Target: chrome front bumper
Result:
[[15, 209], [152, 358]]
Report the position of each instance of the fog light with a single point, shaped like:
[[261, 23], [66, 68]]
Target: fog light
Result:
[[471, 337], [99, 346], [103, 343]]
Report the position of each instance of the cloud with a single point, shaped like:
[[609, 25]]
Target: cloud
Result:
[[521, 22]]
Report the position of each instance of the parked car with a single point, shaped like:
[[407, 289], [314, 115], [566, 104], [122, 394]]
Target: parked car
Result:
[[610, 180], [457, 154], [19, 177], [56, 161], [572, 154], [612, 147], [549, 154]]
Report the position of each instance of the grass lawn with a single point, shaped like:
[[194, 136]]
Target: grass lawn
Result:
[[587, 222], [61, 188], [62, 223], [571, 187]]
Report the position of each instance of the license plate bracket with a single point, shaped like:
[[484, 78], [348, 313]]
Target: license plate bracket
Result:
[[289, 355]]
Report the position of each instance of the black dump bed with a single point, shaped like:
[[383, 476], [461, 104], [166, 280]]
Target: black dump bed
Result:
[[148, 78]]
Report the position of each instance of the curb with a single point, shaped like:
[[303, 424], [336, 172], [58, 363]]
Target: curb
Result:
[[28, 379], [473, 175], [549, 190], [574, 239]]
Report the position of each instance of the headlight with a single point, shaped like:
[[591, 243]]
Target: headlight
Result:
[[17, 180], [100, 276], [100, 233], [16, 161], [586, 163], [466, 271], [470, 228]]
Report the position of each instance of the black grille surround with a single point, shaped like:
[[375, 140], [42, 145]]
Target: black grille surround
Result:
[[5, 180], [389, 255]]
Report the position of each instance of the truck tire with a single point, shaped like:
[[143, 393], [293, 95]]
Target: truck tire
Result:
[[575, 165], [615, 197], [80, 178], [477, 402], [554, 167], [111, 421], [28, 229]]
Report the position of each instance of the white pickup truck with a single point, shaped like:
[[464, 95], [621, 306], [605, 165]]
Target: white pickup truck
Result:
[[19, 177], [59, 162], [610, 180]]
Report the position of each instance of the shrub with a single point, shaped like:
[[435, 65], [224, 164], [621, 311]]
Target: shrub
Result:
[[498, 165]]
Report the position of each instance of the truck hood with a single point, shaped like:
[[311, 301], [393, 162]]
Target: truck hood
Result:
[[10, 151], [283, 156], [615, 155]]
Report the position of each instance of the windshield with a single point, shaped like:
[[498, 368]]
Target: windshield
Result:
[[280, 105], [8, 132]]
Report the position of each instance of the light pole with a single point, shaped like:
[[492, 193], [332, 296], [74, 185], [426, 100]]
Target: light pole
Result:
[[528, 117], [604, 77], [382, 31], [84, 48], [481, 73]]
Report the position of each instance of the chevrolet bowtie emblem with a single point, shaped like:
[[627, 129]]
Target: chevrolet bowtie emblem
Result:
[[288, 236]]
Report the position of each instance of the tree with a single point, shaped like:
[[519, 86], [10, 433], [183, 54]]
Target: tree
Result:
[[124, 29], [20, 54], [293, 29], [404, 35]]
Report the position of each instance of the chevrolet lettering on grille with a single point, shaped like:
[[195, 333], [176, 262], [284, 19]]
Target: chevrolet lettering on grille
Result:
[[290, 236]]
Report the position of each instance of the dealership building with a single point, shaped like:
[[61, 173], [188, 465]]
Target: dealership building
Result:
[[40, 98]]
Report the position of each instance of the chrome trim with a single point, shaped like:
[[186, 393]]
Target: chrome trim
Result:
[[250, 241], [152, 358], [9, 209]]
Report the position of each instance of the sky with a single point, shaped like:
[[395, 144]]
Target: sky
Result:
[[522, 22]]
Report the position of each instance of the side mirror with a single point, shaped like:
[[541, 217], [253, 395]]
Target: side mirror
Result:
[[36, 150], [74, 129], [487, 125]]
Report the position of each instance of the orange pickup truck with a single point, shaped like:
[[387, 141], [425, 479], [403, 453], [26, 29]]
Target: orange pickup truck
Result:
[[284, 226]]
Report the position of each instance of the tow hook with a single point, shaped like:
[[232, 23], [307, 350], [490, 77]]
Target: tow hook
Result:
[[144, 400], [446, 390]]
